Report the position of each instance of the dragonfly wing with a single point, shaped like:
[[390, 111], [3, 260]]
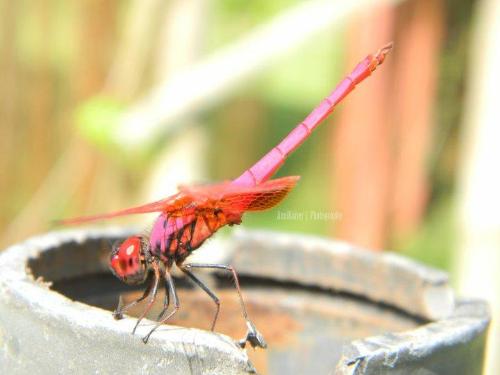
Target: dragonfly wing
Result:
[[259, 197], [225, 195], [166, 205]]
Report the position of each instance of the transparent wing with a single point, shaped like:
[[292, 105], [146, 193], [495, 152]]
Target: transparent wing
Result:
[[223, 195], [259, 197], [166, 205]]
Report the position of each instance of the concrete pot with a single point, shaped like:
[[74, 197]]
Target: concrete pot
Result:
[[323, 306]]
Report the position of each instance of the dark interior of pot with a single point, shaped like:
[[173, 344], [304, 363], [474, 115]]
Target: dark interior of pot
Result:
[[304, 326]]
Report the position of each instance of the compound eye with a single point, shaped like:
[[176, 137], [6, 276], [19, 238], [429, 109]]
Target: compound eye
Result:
[[125, 258]]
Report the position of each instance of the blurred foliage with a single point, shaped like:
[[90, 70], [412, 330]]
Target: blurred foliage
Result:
[[232, 18], [97, 119], [434, 243]]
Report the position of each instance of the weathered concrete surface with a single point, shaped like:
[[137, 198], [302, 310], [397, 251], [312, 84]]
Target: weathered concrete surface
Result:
[[452, 346], [43, 332], [309, 328], [336, 265]]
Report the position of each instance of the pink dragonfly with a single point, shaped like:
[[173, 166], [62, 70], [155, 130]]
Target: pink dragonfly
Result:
[[194, 214]]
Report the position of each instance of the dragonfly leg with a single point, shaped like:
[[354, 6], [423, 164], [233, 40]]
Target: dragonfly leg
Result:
[[207, 290], [171, 287], [152, 295], [166, 301], [118, 313], [253, 337]]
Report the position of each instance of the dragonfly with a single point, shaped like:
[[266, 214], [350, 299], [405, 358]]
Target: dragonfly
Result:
[[192, 215]]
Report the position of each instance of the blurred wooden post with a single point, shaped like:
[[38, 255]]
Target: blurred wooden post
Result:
[[95, 39], [361, 147], [478, 263], [386, 132], [416, 70]]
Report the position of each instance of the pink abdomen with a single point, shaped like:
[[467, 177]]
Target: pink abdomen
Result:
[[175, 238]]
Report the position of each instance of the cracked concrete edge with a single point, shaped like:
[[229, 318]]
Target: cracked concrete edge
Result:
[[45, 332], [380, 277], [450, 346]]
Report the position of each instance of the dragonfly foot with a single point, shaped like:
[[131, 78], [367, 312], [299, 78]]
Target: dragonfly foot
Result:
[[135, 327], [253, 337], [118, 313]]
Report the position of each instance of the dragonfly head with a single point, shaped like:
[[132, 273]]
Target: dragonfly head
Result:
[[128, 262]]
